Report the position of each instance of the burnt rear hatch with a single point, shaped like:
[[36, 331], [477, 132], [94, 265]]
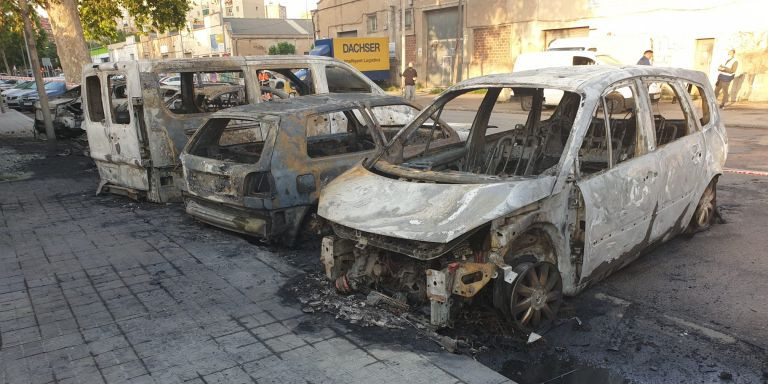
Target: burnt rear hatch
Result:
[[227, 172]]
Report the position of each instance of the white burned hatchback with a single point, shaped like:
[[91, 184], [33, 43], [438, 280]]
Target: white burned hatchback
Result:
[[535, 204]]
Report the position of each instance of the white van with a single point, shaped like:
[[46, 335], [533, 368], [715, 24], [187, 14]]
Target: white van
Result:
[[558, 58]]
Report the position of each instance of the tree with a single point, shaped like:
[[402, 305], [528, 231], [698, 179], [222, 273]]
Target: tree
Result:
[[12, 52], [282, 48], [73, 21]]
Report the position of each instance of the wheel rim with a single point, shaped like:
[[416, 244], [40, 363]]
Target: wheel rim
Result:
[[705, 209], [536, 296]]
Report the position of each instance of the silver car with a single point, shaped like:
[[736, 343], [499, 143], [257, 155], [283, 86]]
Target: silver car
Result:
[[535, 204]]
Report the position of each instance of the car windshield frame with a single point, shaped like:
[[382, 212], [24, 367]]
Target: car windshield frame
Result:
[[400, 141]]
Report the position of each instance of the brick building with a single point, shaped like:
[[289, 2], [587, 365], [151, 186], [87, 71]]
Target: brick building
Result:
[[457, 39]]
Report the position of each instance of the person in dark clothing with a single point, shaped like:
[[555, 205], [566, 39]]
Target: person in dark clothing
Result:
[[646, 59], [409, 80]]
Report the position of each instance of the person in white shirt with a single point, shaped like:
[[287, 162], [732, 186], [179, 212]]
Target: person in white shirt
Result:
[[726, 73]]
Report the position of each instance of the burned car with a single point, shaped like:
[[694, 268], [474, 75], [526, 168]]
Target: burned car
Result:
[[66, 113], [137, 127], [259, 169], [551, 202]]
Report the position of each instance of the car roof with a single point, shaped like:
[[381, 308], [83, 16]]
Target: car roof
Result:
[[583, 78], [311, 103]]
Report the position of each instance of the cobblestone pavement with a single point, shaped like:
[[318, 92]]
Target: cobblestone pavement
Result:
[[99, 289]]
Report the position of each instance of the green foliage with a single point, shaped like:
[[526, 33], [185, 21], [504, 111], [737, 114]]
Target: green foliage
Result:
[[12, 37], [100, 25], [282, 48]]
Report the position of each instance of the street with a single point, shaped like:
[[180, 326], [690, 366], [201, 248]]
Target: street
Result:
[[105, 289]]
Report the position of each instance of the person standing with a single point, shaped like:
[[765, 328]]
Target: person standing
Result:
[[726, 73], [409, 80], [646, 59]]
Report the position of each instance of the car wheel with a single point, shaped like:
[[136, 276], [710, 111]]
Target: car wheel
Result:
[[706, 210], [535, 297]]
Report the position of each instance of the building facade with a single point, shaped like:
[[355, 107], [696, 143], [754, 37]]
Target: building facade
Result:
[[275, 11], [212, 32], [449, 40]]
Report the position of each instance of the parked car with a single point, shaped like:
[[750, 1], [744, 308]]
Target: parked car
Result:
[[66, 113], [259, 169], [138, 157], [8, 84], [557, 203], [12, 96], [52, 89]]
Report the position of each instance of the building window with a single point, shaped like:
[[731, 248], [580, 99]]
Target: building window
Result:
[[229, 11], [408, 18], [372, 23]]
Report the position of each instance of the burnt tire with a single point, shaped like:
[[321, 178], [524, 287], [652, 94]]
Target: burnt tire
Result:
[[532, 301], [706, 210]]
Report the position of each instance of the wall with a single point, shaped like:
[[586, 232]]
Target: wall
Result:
[[495, 32], [244, 46]]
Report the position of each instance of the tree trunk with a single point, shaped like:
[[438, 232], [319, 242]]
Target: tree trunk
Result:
[[68, 34], [5, 61]]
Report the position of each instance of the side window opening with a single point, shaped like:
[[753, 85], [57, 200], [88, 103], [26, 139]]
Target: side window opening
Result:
[[581, 60], [118, 99], [236, 140], [612, 134], [336, 133], [342, 80], [669, 118], [95, 104], [205, 91], [700, 103], [282, 83]]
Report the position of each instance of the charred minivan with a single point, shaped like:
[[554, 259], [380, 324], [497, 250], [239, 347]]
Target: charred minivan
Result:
[[137, 131], [548, 203], [259, 169]]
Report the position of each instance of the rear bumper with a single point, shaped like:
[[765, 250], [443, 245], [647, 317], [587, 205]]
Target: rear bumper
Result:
[[281, 225], [250, 222]]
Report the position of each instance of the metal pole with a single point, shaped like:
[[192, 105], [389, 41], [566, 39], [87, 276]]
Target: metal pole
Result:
[[402, 39], [32, 50]]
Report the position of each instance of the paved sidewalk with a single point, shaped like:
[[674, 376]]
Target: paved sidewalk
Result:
[[15, 124], [100, 289]]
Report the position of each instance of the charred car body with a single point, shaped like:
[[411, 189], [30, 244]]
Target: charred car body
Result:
[[542, 209], [136, 136], [259, 169], [66, 113]]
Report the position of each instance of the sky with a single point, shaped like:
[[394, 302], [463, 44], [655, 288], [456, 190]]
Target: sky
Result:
[[294, 8]]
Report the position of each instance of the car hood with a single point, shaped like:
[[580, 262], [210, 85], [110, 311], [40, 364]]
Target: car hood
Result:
[[423, 211]]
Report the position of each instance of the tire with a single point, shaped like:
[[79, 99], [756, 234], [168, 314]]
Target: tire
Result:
[[706, 210], [532, 301]]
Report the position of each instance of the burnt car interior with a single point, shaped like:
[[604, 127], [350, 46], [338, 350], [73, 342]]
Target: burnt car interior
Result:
[[528, 145], [235, 140], [336, 133], [614, 117], [669, 118]]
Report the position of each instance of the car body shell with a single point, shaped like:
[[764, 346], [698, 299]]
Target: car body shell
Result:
[[217, 191], [590, 225]]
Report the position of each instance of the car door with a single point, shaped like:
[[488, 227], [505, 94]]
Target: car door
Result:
[[618, 182], [681, 152], [113, 134]]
